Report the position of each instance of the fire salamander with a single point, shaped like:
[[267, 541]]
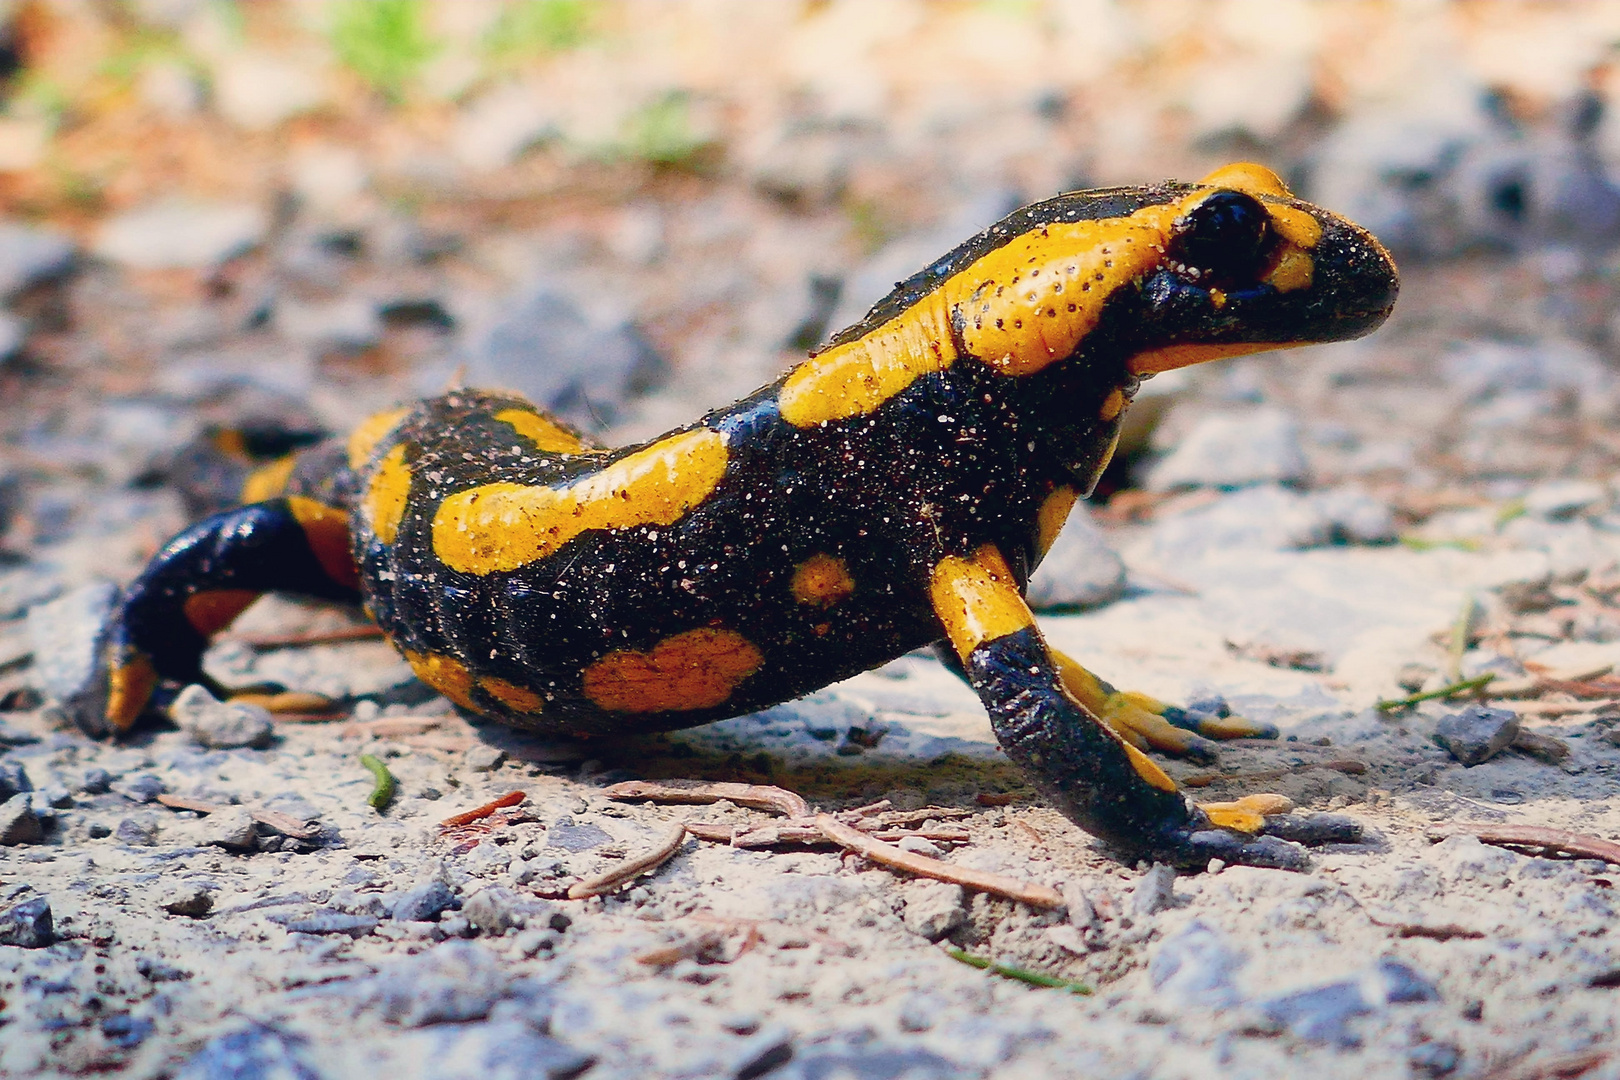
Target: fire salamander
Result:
[[893, 490]]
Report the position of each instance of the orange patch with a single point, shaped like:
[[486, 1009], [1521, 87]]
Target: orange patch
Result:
[[1049, 520], [545, 433], [697, 669], [387, 494], [267, 481], [1112, 405], [856, 377], [512, 695], [976, 599], [503, 526], [364, 439], [1249, 177], [326, 529], [129, 688], [445, 674], [1294, 270], [1179, 356], [212, 611], [822, 580], [1147, 768]]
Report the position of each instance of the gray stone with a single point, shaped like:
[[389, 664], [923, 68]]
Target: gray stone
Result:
[[66, 632], [1477, 733], [136, 832], [1354, 517], [496, 910], [1235, 450], [29, 585], [28, 925], [933, 909], [1080, 571], [142, 788], [180, 235], [1156, 891], [13, 779], [96, 782], [424, 903], [1195, 966], [190, 900], [1321, 1014], [18, 822], [564, 834], [222, 725], [30, 256], [484, 758], [456, 982], [350, 324], [1266, 517], [500, 1050], [258, 1053], [327, 922], [231, 829], [545, 348], [1557, 499]]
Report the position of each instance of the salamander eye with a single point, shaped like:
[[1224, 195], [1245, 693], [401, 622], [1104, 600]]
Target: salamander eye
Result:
[[1224, 235]]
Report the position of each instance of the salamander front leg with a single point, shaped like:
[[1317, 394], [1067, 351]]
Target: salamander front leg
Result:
[[195, 587], [1089, 772]]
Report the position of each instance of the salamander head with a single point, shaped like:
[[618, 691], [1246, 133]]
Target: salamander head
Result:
[[1247, 268]]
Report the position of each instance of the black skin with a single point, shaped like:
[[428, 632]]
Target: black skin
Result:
[[960, 459]]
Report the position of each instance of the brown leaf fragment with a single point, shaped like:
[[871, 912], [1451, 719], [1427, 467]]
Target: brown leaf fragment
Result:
[[511, 798], [1447, 932], [1535, 837], [978, 880], [631, 868]]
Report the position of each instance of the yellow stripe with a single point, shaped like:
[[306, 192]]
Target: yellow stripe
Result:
[[976, 599], [502, 526]]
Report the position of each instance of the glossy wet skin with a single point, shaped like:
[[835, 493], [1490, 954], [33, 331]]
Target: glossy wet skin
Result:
[[895, 489]]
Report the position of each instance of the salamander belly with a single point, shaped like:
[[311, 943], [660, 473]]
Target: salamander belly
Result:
[[652, 627]]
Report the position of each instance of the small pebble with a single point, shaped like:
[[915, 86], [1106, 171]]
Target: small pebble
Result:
[[1155, 892], [231, 829], [192, 901], [1477, 733], [18, 822], [484, 758], [136, 833]]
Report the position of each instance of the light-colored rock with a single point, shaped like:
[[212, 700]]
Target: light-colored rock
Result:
[[18, 822], [176, 235], [258, 90], [1080, 571], [231, 829], [1230, 450], [934, 909], [222, 725]]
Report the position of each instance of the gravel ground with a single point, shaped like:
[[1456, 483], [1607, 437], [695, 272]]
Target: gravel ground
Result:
[[219, 213]]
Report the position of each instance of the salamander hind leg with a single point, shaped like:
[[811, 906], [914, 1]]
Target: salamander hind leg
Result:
[[1088, 770], [205, 577]]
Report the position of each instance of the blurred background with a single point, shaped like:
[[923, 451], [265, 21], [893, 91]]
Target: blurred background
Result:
[[290, 213]]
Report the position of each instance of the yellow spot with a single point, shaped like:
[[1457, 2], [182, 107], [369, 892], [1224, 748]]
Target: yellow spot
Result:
[[1147, 769], [1169, 357], [268, 481], [326, 529], [387, 494], [1296, 226], [1053, 513], [1247, 814], [1112, 405], [697, 669], [129, 687], [855, 378], [822, 580], [1217, 299], [445, 674], [211, 611], [1249, 177], [545, 433], [503, 526], [976, 599], [364, 439], [1294, 270], [1244, 821], [230, 442], [513, 696]]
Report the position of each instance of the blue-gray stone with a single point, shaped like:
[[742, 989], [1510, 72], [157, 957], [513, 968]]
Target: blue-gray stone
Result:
[[424, 903], [30, 256], [1194, 967], [564, 834], [1320, 1014], [28, 925], [259, 1053], [1477, 734], [66, 634], [125, 1031], [507, 1050], [13, 779]]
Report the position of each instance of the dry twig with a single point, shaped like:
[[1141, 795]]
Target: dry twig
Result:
[[631, 868], [759, 796], [1534, 836], [978, 880]]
